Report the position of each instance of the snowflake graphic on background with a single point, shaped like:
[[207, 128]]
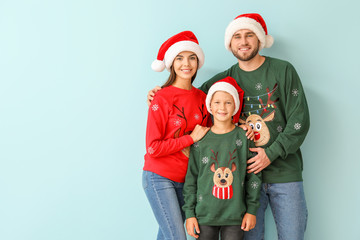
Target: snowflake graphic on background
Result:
[[258, 86], [205, 160], [200, 198], [196, 144], [177, 122], [279, 129], [197, 116], [254, 185], [155, 107], [295, 92], [297, 126], [238, 142], [150, 150]]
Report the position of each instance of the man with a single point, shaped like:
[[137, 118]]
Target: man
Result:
[[275, 107]]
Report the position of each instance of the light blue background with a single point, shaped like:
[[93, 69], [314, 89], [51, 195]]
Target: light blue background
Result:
[[73, 82]]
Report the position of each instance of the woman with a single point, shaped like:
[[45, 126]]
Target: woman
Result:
[[177, 118]]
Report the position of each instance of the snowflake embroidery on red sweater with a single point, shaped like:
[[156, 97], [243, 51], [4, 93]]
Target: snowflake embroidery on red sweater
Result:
[[150, 150], [197, 116], [177, 122], [155, 107]]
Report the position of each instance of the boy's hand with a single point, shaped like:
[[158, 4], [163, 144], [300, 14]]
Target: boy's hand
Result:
[[249, 222], [249, 131], [151, 94], [191, 224]]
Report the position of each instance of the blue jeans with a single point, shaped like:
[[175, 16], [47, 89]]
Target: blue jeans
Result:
[[288, 205], [166, 200]]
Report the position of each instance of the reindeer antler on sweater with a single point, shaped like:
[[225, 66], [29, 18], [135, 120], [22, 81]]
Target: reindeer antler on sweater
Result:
[[269, 101], [216, 156]]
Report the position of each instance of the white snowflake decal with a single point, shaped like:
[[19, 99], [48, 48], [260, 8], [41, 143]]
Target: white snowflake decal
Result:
[[205, 160], [258, 86], [155, 107], [297, 126], [177, 122], [279, 129], [254, 185], [197, 116], [200, 198], [150, 150], [238, 142], [196, 144], [295, 92]]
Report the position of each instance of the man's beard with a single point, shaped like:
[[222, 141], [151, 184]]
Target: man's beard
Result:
[[248, 58]]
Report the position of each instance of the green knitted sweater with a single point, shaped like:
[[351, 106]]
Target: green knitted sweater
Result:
[[275, 106], [217, 189]]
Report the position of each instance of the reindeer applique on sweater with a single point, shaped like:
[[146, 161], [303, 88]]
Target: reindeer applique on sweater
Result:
[[258, 123], [223, 177]]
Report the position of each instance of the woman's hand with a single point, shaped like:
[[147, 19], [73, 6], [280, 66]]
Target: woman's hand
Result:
[[199, 132], [151, 94], [186, 151], [249, 131]]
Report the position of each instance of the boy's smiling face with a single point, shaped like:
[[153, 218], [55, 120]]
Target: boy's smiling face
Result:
[[222, 106]]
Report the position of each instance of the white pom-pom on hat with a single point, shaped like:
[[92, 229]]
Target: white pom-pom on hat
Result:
[[158, 66]]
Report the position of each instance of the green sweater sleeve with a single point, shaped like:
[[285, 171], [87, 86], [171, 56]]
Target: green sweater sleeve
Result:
[[252, 188], [206, 85], [190, 185], [297, 118]]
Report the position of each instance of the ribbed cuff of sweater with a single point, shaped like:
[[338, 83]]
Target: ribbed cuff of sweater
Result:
[[189, 139], [189, 214], [273, 151], [252, 209]]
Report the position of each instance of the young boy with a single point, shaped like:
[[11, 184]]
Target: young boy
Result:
[[220, 196]]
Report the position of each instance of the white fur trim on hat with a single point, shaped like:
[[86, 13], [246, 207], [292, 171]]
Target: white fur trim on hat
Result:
[[179, 47], [225, 87], [266, 41]]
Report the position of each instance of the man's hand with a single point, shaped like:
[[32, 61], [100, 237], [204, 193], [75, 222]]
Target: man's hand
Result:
[[249, 131], [259, 162], [191, 224], [151, 94], [248, 222]]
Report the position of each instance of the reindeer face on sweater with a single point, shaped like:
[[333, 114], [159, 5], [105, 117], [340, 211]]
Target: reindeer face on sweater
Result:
[[261, 131], [223, 176]]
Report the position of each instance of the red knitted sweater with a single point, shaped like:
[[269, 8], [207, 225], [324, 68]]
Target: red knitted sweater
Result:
[[172, 115]]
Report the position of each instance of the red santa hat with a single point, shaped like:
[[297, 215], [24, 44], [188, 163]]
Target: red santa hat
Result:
[[253, 22], [183, 41], [230, 86]]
